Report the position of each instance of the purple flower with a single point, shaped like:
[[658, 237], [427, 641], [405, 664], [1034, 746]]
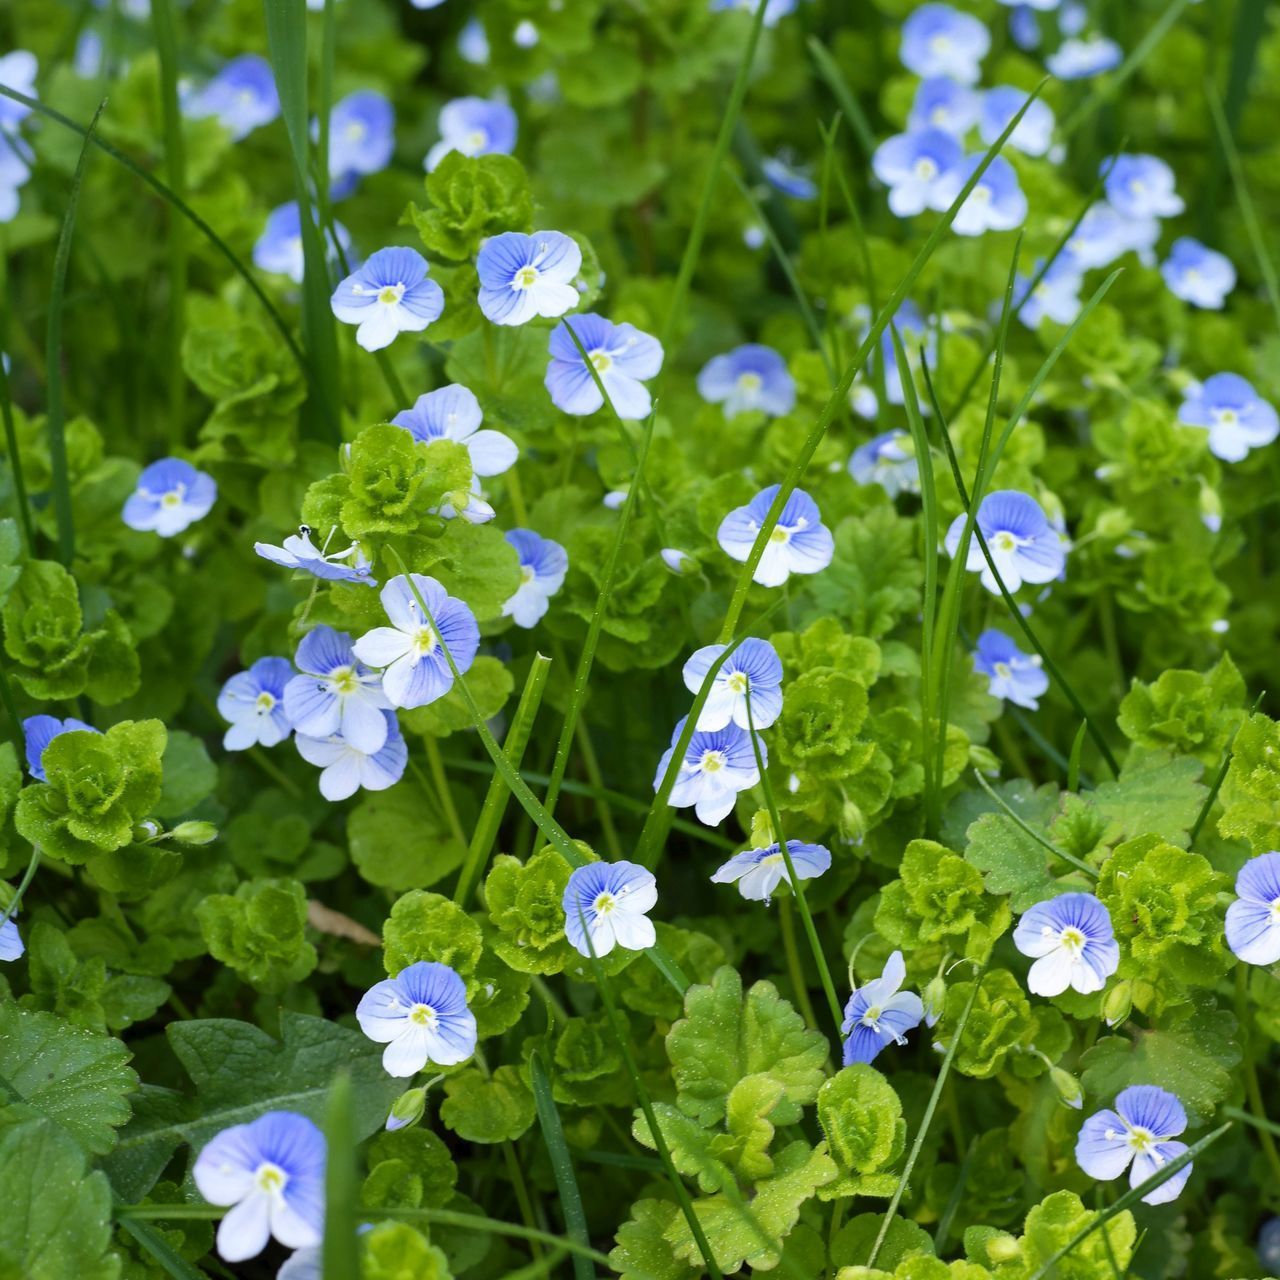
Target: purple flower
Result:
[[758, 872], [1253, 920], [799, 543], [1022, 542], [336, 693], [754, 669], [1197, 274], [916, 168], [621, 354], [716, 766], [1141, 186], [607, 902], [943, 103], [345, 769], [388, 295], [888, 460], [253, 703], [242, 96], [1236, 417], [299, 552], [39, 731], [1015, 676], [279, 247], [543, 564], [1071, 940], [421, 1015], [937, 40], [171, 495], [880, 1014], [995, 204], [748, 377], [522, 276], [474, 127], [1138, 1130], [453, 413]]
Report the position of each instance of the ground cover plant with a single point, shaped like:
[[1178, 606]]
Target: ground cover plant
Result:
[[636, 639]]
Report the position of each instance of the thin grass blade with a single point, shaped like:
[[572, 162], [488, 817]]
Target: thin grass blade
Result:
[[575, 1218], [165, 1255], [341, 1250]]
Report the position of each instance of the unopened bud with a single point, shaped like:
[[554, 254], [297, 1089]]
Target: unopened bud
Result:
[[194, 832], [1118, 1004], [407, 1110], [1068, 1087], [934, 999]]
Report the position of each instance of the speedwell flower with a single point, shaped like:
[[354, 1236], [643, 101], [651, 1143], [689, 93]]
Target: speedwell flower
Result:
[[621, 354], [15, 169], [11, 944], [39, 731], [1022, 542], [1103, 235], [272, 1172], [299, 552], [1197, 274], [361, 137], [253, 704], [417, 669], [171, 495], [279, 247], [473, 43], [799, 543], [474, 127], [888, 460], [1253, 920], [938, 40], [1081, 59], [1235, 415], [751, 376], [390, 294], [754, 669], [758, 872], [1071, 940], [944, 103], [716, 766], [336, 693], [454, 413], [997, 203], [1141, 186], [242, 96], [1033, 133], [880, 1013], [543, 564], [522, 276], [421, 1015], [606, 902], [915, 167], [1015, 676], [1138, 1130], [790, 179], [344, 769], [1056, 297]]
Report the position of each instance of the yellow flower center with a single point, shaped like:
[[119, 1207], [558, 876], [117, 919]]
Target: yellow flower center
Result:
[[750, 382], [343, 681], [926, 169], [712, 761], [1003, 670], [422, 1015], [424, 642], [601, 361], [1072, 939], [390, 294], [604, 904], [739, 682], [266, 701], [270, 1177], [526, 277], [1005, 542], [780, 535]]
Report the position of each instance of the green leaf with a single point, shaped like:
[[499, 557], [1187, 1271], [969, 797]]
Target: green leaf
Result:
[[260, 932], [643, 1251], [490, 682], [1011, 861], [189, 775], [470, 198], [1154, 794], [1250, 793], [1186, 712], [497, 1109], [862, 1118], [398, 841]]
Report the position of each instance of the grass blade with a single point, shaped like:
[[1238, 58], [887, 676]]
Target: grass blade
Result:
[[15, 465], [165, 1255], [1028, 830], [341, 1250], [575, 1218], [849, 104]]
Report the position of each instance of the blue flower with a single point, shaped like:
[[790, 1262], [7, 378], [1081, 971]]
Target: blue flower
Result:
[[1056, 297], [937, 40], [171, 495], [995, 204], [748, 377], [1236, 417], [715, 768], [15, 169], [1034, 132], [1015, 676], [917, 337], [607, 902], [253, 704], [916, 167], [453, 413], [344, 769], [473, 43], [18, 71], [944, 103], [888, 460], [1023, 27], [279, 248], [1022, 542], [39, 731], [474, 127], [417, 670], [272, 1172], [1138, 1130], [799, 543], [880, 1013], [1071, 940], [758, 872], [752, 668], [1253, 920], [622, 355], [242, 96], [1197, 274], [336, 693], [299, 552], [421, 1015], [389, 294], [525, 276], [1141, 186], [543, 564], [1082, 59], [1103, 235], [788, 178], [774, 10], [11, 944], [1269, 1244], [361, 138]]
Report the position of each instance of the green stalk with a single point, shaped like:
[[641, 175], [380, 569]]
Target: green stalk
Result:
[[575, 1217], [20, 892], [341, 1250], [1219, 778], [1029, 830], [435, 765], [15, 465], [164, 1254], [787, 927], [830, 72]]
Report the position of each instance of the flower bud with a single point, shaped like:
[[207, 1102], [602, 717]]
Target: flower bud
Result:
[[407, 1110], [195, 832], [934, 999], [1117, 1004], [1068, 1087]]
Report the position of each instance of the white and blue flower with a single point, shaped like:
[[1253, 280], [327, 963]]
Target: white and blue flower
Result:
[[474, 127], [916, 167], [453, 413], [1015, 676], [799, 542], [390, 294], [880, 1013], [279, 248], [242, 96], [1033, 134], [996, 203], [944, 103], [543, 564], [1236, 417], [252, 702], [607, 903], [1253, 920], [361, 138], [344, 769], [623, 356], [888, 460], [523, 276], [1104, 235], [758, 872], [39, 731], [336, 693], [1141, 186], [1082, 58], [171, 495], [473, 43], [1197, 274], [421, 1015], [11, 944], [1072, 942], [749, 377], [788, 178], [18, 70], [715, 768], [1055, 297], [752, 670], [299, 552], [1138, 1131], [938, 40], [1022, 542]]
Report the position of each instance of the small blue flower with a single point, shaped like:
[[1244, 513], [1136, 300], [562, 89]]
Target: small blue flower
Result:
[[11, 944], [888, 460], [388, 295], [748, 377], [1056, 297], [15, 169], [997, 203], [344, 769], [944, 103], [421, 1015], [473, 43], [242, 96], [1044, 6], [679, 562], [361, 138], [623, 356], [1138, 1130], [1015, 676], [171, 495], [522, 276], [279, 248], [453, 413], [799, 542], [790, 179], [1034, 132], [715, 768], [607, 903], [1197, 274], [1022, 542], [916, 168], [543, 564], [18, 71], [1235, 415], [752, 668], [918, 338], [758, 872], [1269, 1244], [1141, 186], [417, 672], [1103, 235], [474, 127], [1024, 29], [1072, 942], [1083, 59], [880, 1014], [39, 731], [336, 693], [937, 40], [253, 704], [1253, 920], [299, 552], [272, 1172], [774, 10]]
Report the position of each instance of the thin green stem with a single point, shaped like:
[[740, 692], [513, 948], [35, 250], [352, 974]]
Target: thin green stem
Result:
[[23, 885], [1029, 830], [273, 771], [436, 766], [787, 927], [1252, 1085], [15, 463]]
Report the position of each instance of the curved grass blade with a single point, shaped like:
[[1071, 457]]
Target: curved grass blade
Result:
[[830, 72], [575, 1218], [15, 465], [341, 1250], [165, 1255], [1029, 830], [1073, 761]]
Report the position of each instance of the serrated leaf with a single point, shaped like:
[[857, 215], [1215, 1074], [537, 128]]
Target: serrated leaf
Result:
[[497, 1109], [1010, 860], [1154, 795]]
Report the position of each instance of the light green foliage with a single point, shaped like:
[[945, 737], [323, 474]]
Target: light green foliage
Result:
[[399, 841], [259, 932], [644, 1251], [394, 1250], [588, 1064], [1002, 1028], [862, 1118], [1250, 792], [1185, 711], [428, 926], [410, 1168], [1049, 1226], [484, 1108], [918, 1267], [469, 199]]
